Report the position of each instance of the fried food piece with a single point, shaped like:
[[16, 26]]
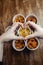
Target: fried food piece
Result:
[[32, 43], [19, 44], [32, 18], [19, 19]]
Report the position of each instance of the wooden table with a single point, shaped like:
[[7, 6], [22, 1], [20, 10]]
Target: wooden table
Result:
[[8, 8]]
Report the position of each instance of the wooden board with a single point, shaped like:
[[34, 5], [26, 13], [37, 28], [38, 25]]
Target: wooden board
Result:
[[8, 8]]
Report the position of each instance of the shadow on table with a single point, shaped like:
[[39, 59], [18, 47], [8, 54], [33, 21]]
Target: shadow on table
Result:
[[25, 51]]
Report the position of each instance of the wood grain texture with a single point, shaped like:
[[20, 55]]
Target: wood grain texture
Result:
[[9, 8]]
